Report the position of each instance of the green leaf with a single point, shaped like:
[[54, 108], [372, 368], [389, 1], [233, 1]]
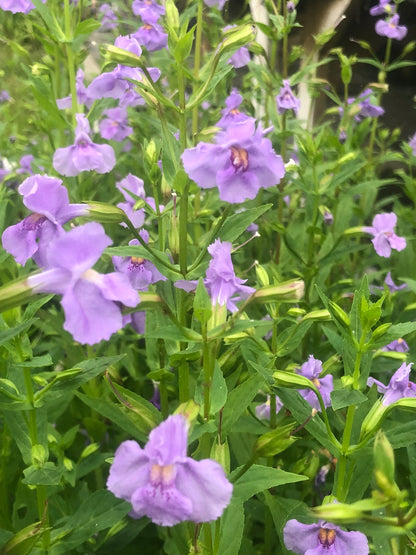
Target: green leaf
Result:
[[47, 475], [184, 46], [24, 541], [232, 527], [117, 415], [202, 303], [86, 27], [174, 333], [259, 478], [342, 398], [396, 331], [36, 362], [238, 400], [8, 334], [99, 511], [238, 223]]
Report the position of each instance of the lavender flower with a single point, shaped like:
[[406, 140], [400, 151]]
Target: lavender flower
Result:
[[399, 386], [369, 110], [114, 126], [26, 164], [383, 7], [231, 114], [323, 538], [161, 482], [398, 345], [151, 34], [392, 287], [241, 57], [412, 144], [48, 199], [83, 155], [147, 6], [82, 94], [239, 164], [221, 281], [140, 272], [311, 370], [134, 185], [5, 96], [391, 28], [263, 410], [384, 237], [286, 100], [17, 6], [89, 299], [290, 6], [215, 3], [109, 19]]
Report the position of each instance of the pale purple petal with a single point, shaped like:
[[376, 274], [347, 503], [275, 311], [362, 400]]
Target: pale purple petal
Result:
[[205, 484], [129, 470], [167, 443], [165, 506]]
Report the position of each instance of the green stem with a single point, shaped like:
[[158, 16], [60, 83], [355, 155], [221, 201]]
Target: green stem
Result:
[[70, 61]]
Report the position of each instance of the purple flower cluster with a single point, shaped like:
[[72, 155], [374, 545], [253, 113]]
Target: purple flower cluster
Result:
[[151, 35], [384, 238], [312, 369], [161, 482], [388, 27], [398, 387], [224, 287], [239, 163], [323, 538]]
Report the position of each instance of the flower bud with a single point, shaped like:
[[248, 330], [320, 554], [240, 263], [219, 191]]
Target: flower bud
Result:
[[275, 441], [292, 290]]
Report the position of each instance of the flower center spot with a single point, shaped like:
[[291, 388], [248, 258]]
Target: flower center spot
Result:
[[239, 158], [326, 537], [162, 475]]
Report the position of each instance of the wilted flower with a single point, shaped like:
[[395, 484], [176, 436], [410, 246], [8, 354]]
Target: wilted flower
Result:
[[48, 199], [90, 300], [384, 237], [83, 155], [141, 272], [391, 28], [286, 100], [263, 410], [398, 345], [323, 538], [399, 386], [239, 164], [161, 482], [312, 370], [114, 126]]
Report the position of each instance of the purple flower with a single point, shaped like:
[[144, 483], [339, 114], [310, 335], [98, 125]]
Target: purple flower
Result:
[[114, 126], [384, 237], [263, 410], [311, 370], [241, 57], [140, 272], [412, 144], [290, 6], [391, 28], [82, 94], [161, 482], [392, 287], [215, 3], [398, 387], [26, 164], [231, 114], [90, 300], [134, 185], [17, 6], [48, 199], [221, 281], [399, 346], [5, 96], [369, 110], [323, 538], [286, 100], [109, 19], [147, 6], [83, 155], [383, 7], [239, 164], [151, 34], [129, 43]]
